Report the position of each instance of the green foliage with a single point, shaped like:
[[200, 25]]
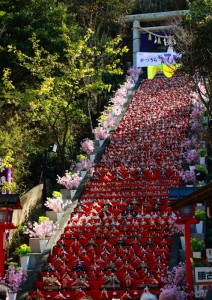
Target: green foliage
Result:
[[34, 213], [60, 97], [9, 187], [53, 71], [202, 152], [56, 194], [6, 161], [146, 6], [18, 238], [81, 156], [197, 245], [12, 263], [200, 214], [42, 219], [201, 168], [14, 137], [199, 264], [103, 17], [47, 19], [205, 113], [199, 21], [195, 42], [204, 123], [22, 250]]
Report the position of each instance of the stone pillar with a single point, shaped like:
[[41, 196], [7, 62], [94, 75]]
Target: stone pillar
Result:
[[136, 40]]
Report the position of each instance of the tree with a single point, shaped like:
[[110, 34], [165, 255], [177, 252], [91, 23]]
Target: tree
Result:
[[58, 103], [146, 6], [14, 137], [51, 89], [21, 19], [15, 133], [194, 41], [103, 17], [2, 25], [45, 18]]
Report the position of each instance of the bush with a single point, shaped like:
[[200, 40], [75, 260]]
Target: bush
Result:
[[197, 245], [202, 152], [23, 250], [200, 214]]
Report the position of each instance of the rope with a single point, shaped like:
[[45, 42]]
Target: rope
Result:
[[155, 34]]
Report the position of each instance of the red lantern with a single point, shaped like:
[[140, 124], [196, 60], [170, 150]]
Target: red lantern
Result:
[[8, 202]]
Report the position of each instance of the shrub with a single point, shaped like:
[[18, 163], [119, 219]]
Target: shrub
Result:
[[200, 214], [22, 250], [197, 245]]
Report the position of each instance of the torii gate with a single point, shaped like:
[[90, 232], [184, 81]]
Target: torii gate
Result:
[[159, 16]]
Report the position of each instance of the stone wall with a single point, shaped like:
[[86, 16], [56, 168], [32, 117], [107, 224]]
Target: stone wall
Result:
[[28, 201]]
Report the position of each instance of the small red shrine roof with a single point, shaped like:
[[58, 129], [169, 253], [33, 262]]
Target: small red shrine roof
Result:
[[202, 195], [10, 200]]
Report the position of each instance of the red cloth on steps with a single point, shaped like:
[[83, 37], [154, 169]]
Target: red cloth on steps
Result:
[[126, 213]]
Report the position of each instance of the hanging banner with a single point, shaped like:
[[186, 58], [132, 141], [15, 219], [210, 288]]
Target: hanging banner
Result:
[[201, 290], [145, 59], [203, 275], [202, 281], [209, 255], [5, 175]]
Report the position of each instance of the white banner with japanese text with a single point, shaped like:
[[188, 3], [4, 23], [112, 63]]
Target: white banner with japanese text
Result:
[[202, 281], [209, 255], [145, 59], [200, 290]]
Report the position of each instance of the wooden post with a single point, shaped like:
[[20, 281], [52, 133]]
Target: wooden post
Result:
[[158, 16], [136, 19], [187, 221], [136, 41], [2, 252]]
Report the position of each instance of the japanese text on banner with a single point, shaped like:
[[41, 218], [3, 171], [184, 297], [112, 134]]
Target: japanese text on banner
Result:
[[145, 59]]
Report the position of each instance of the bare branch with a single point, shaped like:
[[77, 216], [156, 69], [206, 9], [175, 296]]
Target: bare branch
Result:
[[2, 29]]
